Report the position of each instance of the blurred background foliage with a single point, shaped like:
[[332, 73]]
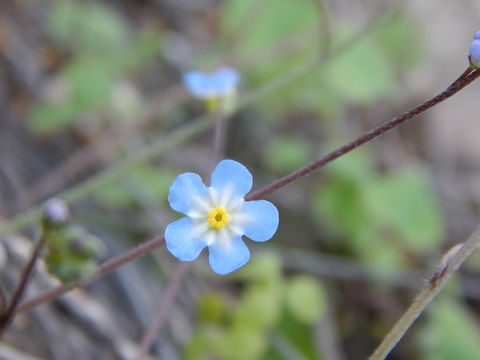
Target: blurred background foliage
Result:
[[89, 85]]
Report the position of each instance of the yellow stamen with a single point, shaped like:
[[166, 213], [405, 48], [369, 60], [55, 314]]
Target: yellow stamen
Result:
[[218, 217]]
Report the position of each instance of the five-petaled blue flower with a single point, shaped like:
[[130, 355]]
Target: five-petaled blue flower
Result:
[[213, 85], [475, 51], [218, 217]]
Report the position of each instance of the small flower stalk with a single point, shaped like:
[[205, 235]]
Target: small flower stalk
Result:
[[474, 55], [218, 89], [218, 217]]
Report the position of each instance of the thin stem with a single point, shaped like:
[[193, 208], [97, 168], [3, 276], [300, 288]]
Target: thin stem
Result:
[[449, 265], [167, 299], [102, 270], [218, 141], [466, 78], [7, 315], [180, 270]]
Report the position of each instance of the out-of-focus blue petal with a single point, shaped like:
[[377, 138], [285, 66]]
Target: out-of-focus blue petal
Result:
[[475, 51], [230, 175], [227, 257], [198, 84], [263, 220], [179, 240], [183, 191], [211, 85], [226, 80]]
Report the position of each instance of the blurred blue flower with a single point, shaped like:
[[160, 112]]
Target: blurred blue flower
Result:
[[217, 217], [212, 85], [475, 51]]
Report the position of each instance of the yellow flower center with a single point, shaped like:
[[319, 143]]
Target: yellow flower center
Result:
[[218, 217]]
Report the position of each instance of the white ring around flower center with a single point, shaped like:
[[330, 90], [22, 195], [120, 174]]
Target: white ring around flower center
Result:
[[233, 206]]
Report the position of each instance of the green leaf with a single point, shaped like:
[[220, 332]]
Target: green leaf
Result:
[[259, 309], [399, 40], [287, 153], [265, 267], [405, 203], [300, 336], [48, 118], [240, 344], [211, 308], [91, 80], [274, 20], [154, 183], [88, 27], [306, 299], [361, 74], [450, 333]]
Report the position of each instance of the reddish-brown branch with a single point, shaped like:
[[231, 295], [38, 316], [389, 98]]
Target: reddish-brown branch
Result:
[[103, 269], [7, 315], [466, 78]]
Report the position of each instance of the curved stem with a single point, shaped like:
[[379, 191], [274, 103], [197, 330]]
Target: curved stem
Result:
[[450, 264], [466, 78], [102, 270]]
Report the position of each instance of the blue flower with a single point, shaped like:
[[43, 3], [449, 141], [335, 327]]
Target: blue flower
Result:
[[475, 51], [213, 85], [218, 217]]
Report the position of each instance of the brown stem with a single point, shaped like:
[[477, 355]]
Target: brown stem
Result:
[[7, 315], [466, 78], [105, 268], [167, 299]]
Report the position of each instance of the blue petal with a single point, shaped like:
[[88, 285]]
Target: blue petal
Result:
[[232, 175], [198, 84], [475, 52], [225, 258], [179, 240], [184, 189], [263, 220], [225, 80]]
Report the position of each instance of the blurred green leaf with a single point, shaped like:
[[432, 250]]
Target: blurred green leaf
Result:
[[265, 267], [196, 347], [276, 20], [400, 42], [72, 252], [90, 81], [306, 299], [287, 153], [405, 203], [360, 74], [450, 333], [299, 335], [240, 344], [153, 182], [88, 27], [47, 118], [258, 310], [379, 214], [211, 308]]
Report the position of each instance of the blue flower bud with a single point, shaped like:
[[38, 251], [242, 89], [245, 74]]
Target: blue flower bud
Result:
[[475, 51]]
